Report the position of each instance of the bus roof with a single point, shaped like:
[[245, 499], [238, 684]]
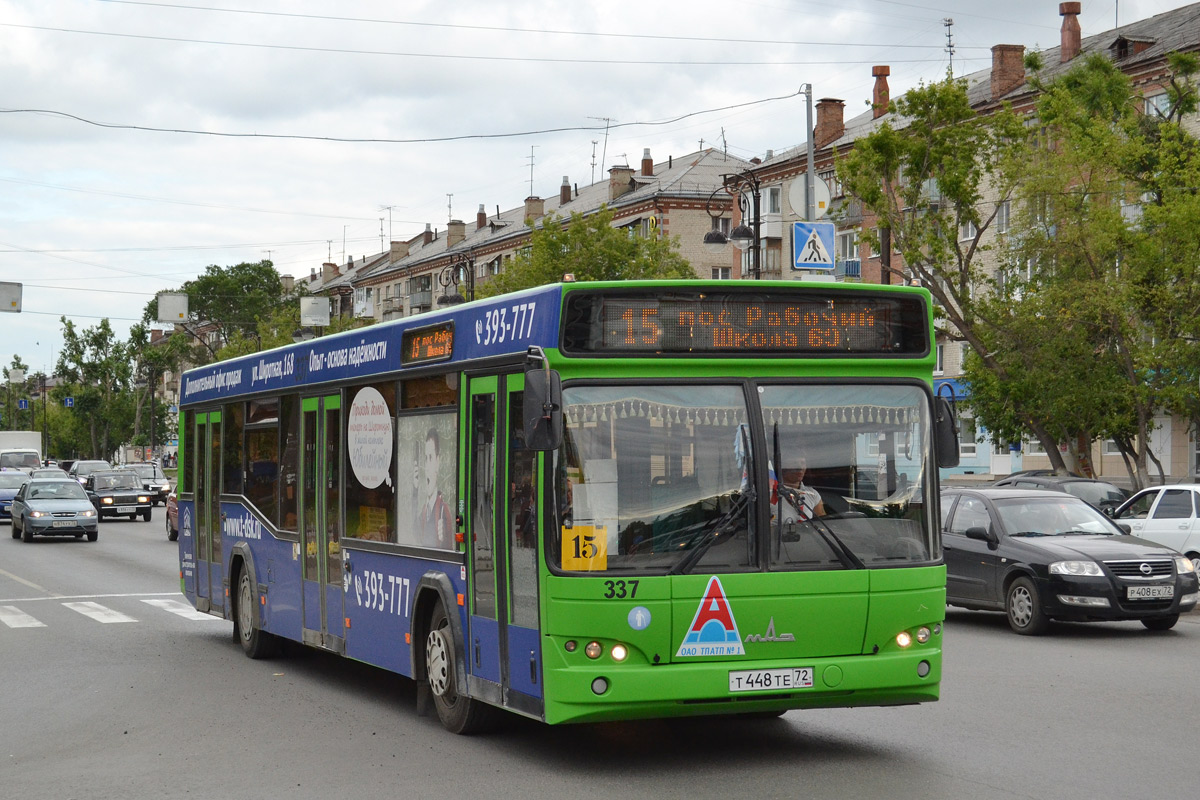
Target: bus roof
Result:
[[505, 325]]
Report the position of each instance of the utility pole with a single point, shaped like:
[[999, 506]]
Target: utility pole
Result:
[[531, 161], [949, 23]]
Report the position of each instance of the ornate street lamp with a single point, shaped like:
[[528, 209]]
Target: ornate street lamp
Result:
[[460, 271], [743, 236]]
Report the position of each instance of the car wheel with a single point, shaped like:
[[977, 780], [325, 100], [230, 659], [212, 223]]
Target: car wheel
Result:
[[146, 514], [16, 530], [256, 643], [1024, 611], [93, 535], [458, 714], [133, 516], [26, 534], [1161, 623]]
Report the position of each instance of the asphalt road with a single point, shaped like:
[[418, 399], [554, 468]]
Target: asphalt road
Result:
[[159, 703]]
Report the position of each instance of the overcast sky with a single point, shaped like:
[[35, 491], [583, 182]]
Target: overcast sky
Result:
[[143, 141]]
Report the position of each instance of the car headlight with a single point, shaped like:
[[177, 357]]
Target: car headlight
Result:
[[1184, 565], [1088, 568], [106, 500], [91, 512], [143, 499], [36, 514]]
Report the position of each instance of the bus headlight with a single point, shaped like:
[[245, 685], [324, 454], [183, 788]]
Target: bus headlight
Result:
[[619, 652], [593, 650], [904, 639], [922, 634]]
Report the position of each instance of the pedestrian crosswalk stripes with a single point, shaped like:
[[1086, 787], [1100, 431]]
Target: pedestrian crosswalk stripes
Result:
[[13, 617]]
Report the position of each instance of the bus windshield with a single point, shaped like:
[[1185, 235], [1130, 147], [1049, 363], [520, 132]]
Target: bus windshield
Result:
[[661, 479]]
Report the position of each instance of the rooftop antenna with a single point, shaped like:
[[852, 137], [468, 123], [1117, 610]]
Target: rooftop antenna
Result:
[[389, 210], [724, 143], [604, 153], [949, 23], [382, 244], [594, 143], [344, 243], [329, 250], [450, 205], [531, 160]]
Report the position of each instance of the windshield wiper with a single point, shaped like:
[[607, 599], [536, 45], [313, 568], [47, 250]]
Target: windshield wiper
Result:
[[832, 540], [1031, 533], [711, 531]]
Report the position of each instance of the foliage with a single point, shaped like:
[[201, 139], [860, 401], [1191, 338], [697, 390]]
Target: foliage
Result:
[[97, 371], [591, 249], [277, 330]]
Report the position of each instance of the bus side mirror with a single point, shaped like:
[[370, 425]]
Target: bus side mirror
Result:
[[543, 409], [945, 433]]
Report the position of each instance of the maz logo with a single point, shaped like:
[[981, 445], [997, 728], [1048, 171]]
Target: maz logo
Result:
[[770, 635]]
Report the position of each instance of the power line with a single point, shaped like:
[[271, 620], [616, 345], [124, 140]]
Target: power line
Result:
[[459, 137], [505, 29], [469, 56]]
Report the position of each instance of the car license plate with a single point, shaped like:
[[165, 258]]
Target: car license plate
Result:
[[126, 510], [1150, 592], [64, 523], [771, 680]]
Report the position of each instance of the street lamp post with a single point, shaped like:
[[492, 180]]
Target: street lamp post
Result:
[[743, 236], [459, 271]]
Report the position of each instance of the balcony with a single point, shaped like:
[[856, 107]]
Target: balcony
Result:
[[850, 269], [424, 298]]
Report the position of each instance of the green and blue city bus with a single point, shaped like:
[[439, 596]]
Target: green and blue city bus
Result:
[[580, 502]]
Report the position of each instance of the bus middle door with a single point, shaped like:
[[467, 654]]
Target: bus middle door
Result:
[[320, 521], [210, 589], [503, 498]]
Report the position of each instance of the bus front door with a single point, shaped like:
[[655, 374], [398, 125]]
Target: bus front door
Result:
[[320, 521], [503, 496], [210, 590]]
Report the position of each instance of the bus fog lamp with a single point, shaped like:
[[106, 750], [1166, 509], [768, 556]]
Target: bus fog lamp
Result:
[[593, 650], [923, 669], [599, 685], [619, 652], [571, 646], [904, 639], [937, 629], [923, 634]]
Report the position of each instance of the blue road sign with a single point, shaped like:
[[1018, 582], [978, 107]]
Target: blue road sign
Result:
[[813, 245], [69, 402], [22, 404]]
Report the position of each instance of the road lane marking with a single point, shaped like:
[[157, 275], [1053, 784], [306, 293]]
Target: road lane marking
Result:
[[24, 582], [14, 617], [99, 612], [181, 608], [86, 596]]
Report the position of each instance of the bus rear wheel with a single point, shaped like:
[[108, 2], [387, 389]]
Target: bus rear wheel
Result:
[[458, 714], [256, 643]]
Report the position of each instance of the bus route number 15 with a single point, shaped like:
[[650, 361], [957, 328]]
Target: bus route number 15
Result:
[[585, 548]]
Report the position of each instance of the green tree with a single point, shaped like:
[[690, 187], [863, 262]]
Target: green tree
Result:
[[228, 301], [14, 393], [97, 369], [591, 249], [278, 328]]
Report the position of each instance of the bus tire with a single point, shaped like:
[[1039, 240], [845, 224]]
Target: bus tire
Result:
[[458, 714], [256, 643]]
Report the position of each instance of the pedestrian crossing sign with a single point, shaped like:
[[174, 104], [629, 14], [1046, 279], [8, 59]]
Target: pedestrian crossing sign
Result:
[[813, 245]]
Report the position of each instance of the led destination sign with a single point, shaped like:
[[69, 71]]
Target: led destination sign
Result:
[[781, 323], [429, 344]]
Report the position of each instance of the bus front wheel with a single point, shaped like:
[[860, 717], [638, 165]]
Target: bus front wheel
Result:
[[458, 714]]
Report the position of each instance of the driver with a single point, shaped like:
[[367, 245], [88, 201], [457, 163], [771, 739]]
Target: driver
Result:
[[797, 501]]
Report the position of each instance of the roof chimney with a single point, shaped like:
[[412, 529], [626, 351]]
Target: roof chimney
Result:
[[1070, 31], [535, 207], [564, 191], [1008, 68], [312, 275], [480, 218], [427, 236], [647, 163], [456, 231], [830, 122], [397, 251], [619, 181], [880, 95], [287, 282], [329, 271]]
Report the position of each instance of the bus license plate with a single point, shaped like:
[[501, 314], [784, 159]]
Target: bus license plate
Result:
[[771, 680], [1150, 592], [126, 510]]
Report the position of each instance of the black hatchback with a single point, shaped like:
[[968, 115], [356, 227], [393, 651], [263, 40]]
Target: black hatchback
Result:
[[118, 493], [1040, 555]]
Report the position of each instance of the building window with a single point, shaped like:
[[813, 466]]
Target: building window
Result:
[[940, 366], [774, 202], [1158, 106], [847, 245], [966, 435], [722, 273], [876, 245], [1003, 217], [967, 231], [831, 180], [1034, 447]]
